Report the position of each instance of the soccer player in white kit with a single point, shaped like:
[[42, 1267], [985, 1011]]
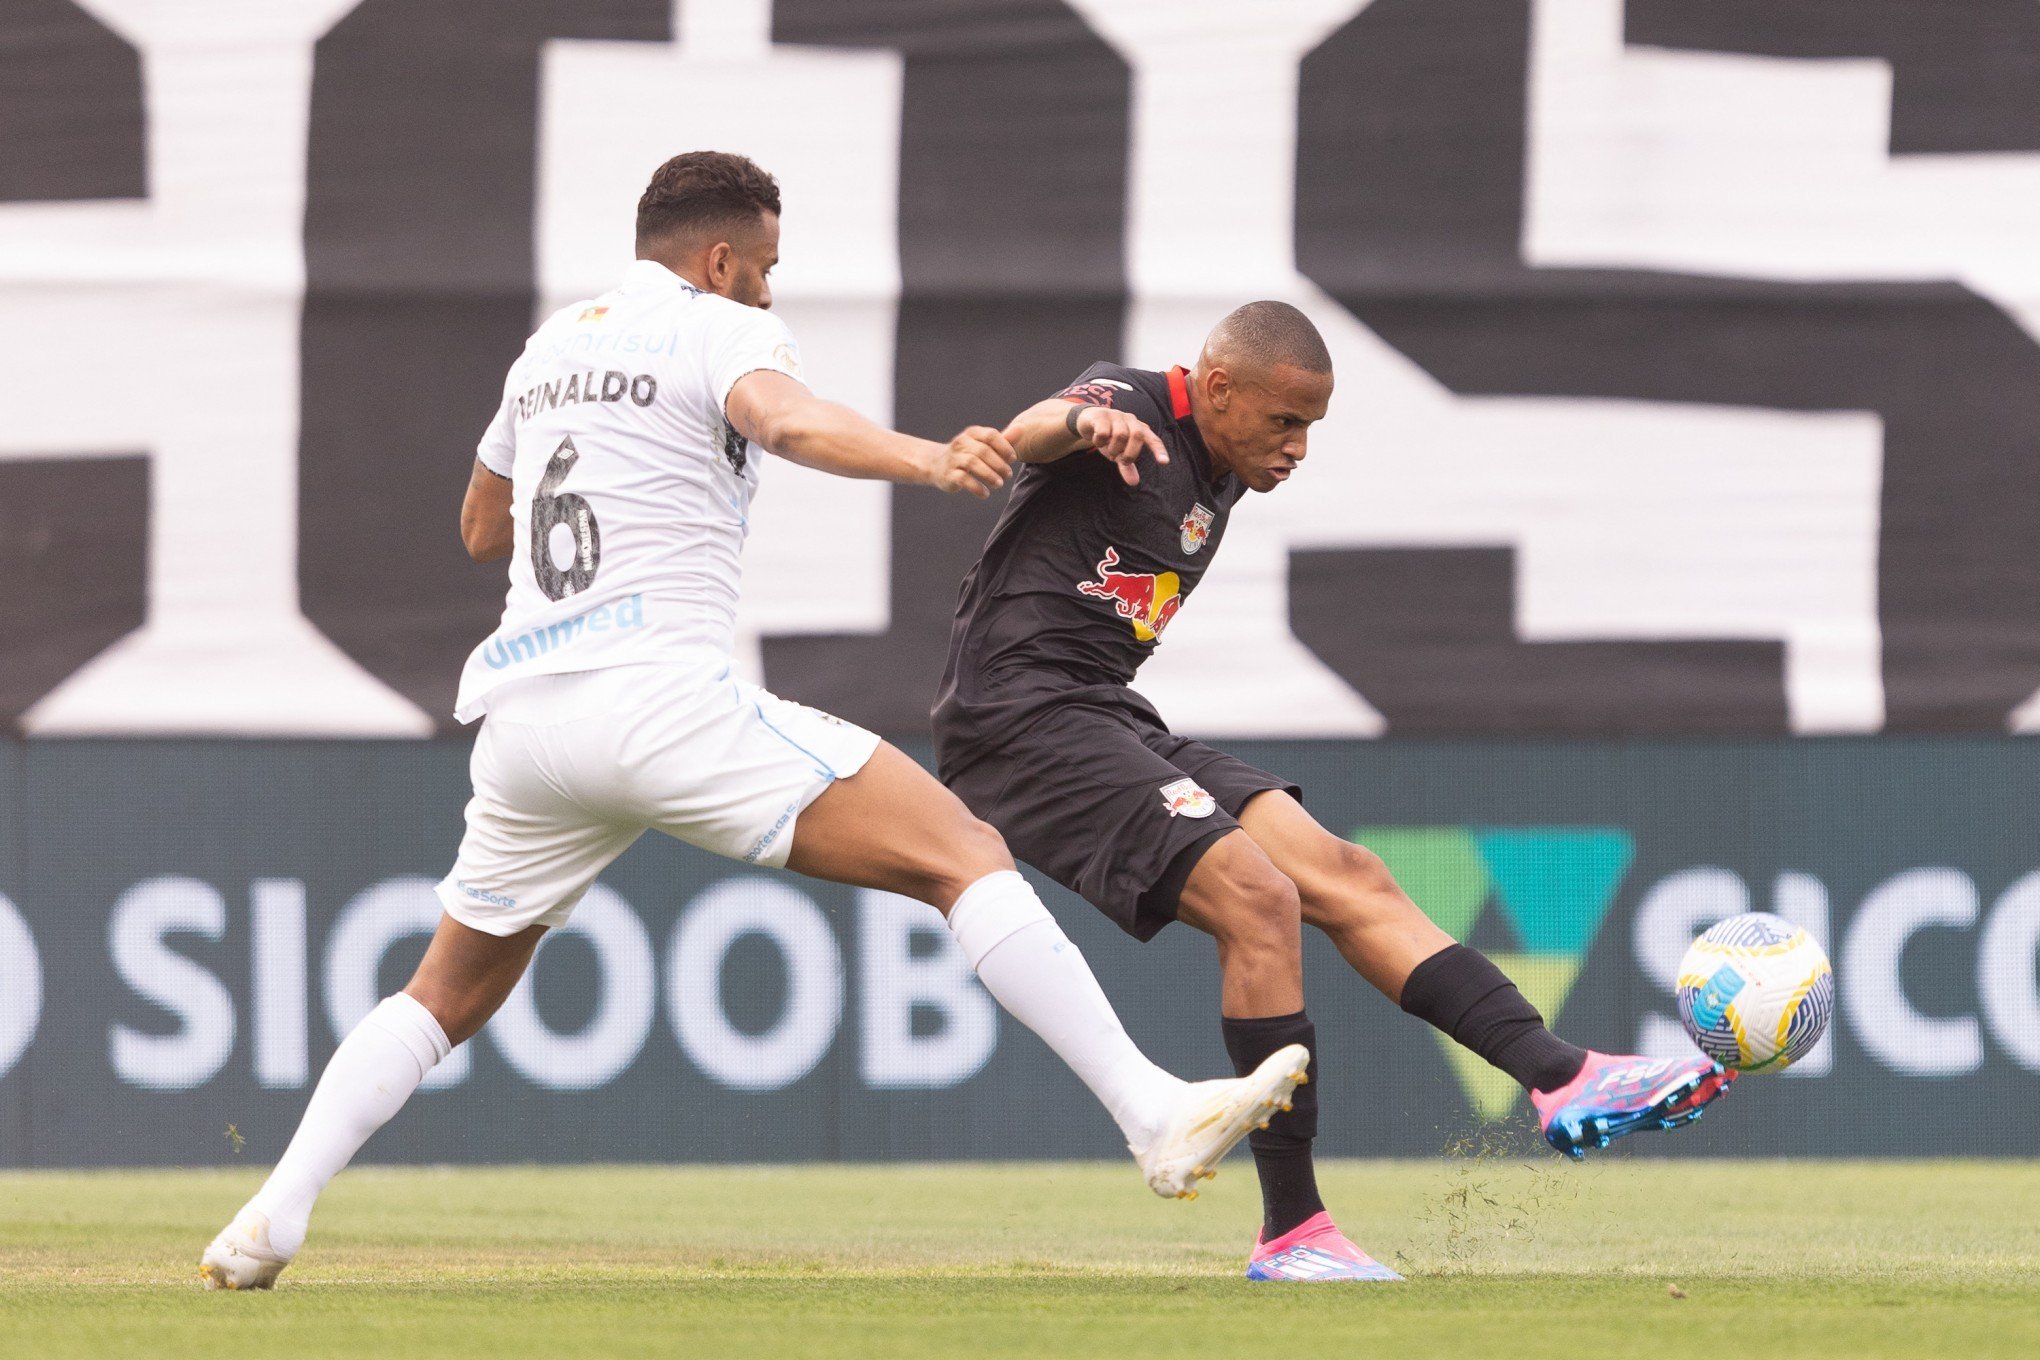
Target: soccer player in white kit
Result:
[[617, 476]]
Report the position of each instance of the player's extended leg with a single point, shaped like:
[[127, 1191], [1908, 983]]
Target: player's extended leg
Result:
[[1238, 897], [891, 826], [529, 852], [465, 976], [1583, 1098]]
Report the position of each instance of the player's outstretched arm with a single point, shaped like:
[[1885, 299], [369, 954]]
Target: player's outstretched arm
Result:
[[771, 409], [485, 523], [1058, 427]]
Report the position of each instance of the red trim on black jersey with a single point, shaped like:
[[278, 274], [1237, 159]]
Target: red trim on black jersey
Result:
[[1179, 391], [1087, 394]]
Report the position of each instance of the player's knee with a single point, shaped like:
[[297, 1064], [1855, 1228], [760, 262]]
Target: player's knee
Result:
[[1276, 909], [1361, 867], [1348, 884], [1264, 911], [969, 850], [981, 849]]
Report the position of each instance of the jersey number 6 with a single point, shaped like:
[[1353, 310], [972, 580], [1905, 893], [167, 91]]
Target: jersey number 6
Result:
[[548, 508]]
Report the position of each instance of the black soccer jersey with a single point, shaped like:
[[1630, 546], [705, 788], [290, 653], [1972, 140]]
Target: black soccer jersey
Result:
[[1083, 573]]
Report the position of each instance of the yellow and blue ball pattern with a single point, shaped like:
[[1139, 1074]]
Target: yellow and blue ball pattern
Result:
[[1756, 992]]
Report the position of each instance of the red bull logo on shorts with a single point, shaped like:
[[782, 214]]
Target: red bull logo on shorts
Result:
[[1187, 798], [1146, 600]]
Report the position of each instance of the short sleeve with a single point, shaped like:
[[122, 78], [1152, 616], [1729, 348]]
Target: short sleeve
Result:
[[1107, 384], [498, 450], [749, 339]]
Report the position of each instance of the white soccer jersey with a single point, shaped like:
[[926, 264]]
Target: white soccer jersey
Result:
[[631, 493]]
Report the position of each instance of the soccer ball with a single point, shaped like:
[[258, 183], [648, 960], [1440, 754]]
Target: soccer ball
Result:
[[1756, 992]]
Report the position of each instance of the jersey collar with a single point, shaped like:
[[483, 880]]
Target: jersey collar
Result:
[[1179, 407], [652, 274], [1192, 435]]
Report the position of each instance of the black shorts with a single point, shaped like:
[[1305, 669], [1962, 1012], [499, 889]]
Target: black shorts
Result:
[[1112, 805]]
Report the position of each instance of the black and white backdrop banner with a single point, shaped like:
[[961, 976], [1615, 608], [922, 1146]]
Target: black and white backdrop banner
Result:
[[1688, 350]]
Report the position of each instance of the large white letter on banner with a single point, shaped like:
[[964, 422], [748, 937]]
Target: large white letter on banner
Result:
[[20, 986], [204, 1008], [626, 980], [1882, 1018], [894, 983], [789, 1050]]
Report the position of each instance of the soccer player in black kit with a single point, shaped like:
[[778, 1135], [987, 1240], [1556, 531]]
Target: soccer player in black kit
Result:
[[1129, 479]]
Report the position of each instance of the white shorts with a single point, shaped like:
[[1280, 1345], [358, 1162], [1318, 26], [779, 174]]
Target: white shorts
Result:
[[570, 769]]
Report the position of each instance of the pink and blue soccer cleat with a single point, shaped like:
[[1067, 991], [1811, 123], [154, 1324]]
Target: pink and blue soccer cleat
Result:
[[1314, 1250], [1616, 1094]]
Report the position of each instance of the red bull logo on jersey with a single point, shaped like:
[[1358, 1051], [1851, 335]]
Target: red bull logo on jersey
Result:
[[1196, 528], [1187, 798], [1146, 600]]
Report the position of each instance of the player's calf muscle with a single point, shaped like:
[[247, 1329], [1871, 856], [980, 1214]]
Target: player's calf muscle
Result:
[[1379, 931], [467, 974]]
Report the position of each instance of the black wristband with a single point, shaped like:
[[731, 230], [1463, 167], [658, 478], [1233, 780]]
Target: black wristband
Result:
[[1070, 420]]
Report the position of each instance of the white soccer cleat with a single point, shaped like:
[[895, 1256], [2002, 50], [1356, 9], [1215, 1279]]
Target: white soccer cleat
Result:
[[241, 1257], [1213, 1116]]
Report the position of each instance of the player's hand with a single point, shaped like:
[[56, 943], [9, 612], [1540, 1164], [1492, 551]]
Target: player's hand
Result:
[[1121, 437], [979, 460]]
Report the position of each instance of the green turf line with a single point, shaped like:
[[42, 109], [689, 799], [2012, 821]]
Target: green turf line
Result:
[[1507, 1257]]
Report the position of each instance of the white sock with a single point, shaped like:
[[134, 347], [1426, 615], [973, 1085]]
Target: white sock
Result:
[[371, 1075], [1030, 966]]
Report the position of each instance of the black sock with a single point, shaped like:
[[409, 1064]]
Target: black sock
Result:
[[1474, 1003], [1289, 1192]]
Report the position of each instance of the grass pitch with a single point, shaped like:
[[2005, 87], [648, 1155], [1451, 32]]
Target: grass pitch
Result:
[[1507, 1259]]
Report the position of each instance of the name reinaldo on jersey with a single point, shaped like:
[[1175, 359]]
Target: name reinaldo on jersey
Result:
[[630, 494], [641, 388]]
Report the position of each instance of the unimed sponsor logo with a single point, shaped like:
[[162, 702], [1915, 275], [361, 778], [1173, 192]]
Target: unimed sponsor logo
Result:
[[503, 650]]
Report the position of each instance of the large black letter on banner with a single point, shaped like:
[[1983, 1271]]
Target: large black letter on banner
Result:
[[420, 285], [74, 532], [1410, 210], [74, 537], [70, 107], [1013, 153]]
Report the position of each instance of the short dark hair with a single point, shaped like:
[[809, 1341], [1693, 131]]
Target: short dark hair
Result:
[[702, 191], [1273, 333]]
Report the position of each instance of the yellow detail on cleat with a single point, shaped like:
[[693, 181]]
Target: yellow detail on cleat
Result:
[[1262, 1125], [1287, 1107], [1302, 1078]]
